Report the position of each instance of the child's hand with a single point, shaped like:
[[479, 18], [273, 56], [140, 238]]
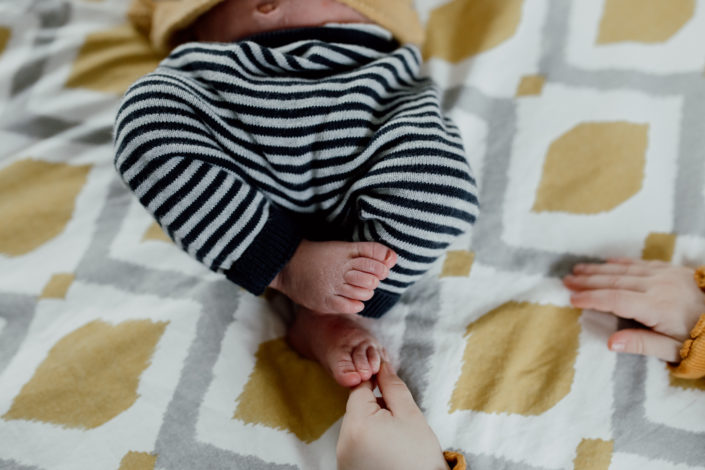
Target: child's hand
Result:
[[393, 437], [659, 295]]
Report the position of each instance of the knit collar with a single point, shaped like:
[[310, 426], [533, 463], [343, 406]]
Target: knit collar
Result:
[[359, 34], [305, 53]]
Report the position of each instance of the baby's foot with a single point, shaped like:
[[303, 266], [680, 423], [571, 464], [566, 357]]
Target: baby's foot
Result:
[[339, 343], [334, 277]]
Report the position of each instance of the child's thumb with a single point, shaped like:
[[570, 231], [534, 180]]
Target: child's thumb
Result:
[[395, 392], [646, 343]]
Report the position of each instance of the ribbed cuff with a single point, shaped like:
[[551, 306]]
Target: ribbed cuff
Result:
[[267, 254], [455, 460], [379, 304], [692, 365]]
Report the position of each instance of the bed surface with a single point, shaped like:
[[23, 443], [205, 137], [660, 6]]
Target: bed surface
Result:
[[583, 122]]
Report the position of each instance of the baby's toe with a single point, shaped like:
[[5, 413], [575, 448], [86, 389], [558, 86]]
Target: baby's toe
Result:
[[342, 304], [390, 259], [374, 359], [355, 293], [361, 279], [361, 361], [345, 373], [373, 250], [370, 266]]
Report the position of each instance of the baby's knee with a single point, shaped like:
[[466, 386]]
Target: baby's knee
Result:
[[446, 189], [422, 194]]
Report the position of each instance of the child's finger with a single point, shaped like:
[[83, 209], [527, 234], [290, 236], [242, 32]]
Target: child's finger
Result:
[[623, 260], [395, 392], [605, 281], [645, 343], [362, 402], [385, 355], [612, 268], [636, 261], [623, 303]]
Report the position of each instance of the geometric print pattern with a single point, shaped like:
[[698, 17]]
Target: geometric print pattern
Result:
[[117, 350]]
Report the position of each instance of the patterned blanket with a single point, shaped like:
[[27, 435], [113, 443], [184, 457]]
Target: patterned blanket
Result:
[[582, 120]]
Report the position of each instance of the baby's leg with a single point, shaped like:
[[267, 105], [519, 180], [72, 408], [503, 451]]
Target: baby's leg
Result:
[[415, 201], [339, 342], [334, 277]]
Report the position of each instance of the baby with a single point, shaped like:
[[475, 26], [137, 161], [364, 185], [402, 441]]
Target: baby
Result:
[[294, 144]]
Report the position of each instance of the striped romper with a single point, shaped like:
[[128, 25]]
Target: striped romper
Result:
[[242, 150]]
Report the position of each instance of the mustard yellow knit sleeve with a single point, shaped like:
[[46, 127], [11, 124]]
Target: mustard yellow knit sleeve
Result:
[[455, 460], [692, 365]]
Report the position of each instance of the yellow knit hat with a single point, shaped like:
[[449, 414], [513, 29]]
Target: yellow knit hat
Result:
[[398, 16], [163, 20]]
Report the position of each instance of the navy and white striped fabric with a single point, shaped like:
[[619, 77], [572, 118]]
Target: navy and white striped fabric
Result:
[[236, 148]]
